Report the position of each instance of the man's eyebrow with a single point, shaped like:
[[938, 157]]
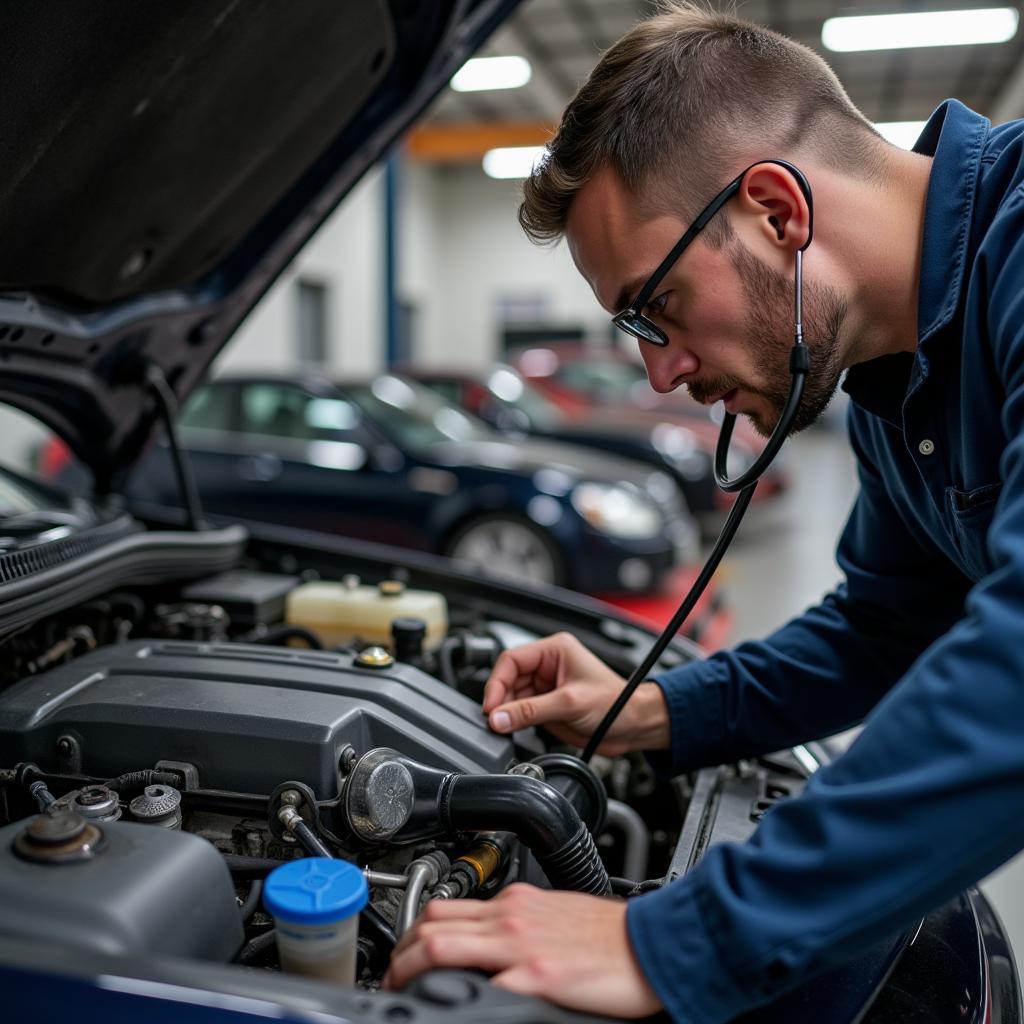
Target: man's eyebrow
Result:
[[629, 290]]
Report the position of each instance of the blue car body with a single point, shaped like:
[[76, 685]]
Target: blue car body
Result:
[[370, 473]]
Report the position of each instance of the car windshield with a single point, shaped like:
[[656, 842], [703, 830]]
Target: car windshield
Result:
[[509, 387], [416, 417], [21, 497], [602, 378]]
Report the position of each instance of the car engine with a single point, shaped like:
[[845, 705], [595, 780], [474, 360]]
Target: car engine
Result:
[[166, 747]]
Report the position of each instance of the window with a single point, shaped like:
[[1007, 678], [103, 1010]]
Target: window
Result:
[[208, 408], [521, 335], [280, 410], [449, 390], [312, 322], [521, 308]]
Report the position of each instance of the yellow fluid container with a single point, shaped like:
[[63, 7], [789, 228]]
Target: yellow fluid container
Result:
[[340, 613]]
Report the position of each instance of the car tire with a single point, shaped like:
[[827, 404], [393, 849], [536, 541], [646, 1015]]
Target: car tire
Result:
[[509, 547]]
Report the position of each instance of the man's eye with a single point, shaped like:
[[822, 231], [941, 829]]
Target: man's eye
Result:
[[657, 305]]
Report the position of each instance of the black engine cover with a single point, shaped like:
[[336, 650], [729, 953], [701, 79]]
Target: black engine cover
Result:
[[248, 717]]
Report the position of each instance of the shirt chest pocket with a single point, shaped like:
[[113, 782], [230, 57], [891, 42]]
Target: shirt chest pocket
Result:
[[971, 515]]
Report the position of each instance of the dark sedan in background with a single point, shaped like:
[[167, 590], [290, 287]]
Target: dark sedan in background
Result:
[[682, 446], [390, 461]]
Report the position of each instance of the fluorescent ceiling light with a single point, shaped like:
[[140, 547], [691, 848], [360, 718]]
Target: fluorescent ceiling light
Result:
[[512, 161], [491, 73], [901, 133], [935, 28]]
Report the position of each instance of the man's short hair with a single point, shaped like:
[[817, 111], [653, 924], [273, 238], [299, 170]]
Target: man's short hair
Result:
[[676, 103]]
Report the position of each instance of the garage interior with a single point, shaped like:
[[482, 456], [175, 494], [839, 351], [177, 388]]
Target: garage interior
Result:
[[424, 269]]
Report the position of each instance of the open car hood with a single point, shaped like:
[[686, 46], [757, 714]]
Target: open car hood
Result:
[[162, 163]]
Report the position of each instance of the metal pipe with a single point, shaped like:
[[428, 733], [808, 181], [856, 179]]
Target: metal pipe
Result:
[[167, 404], [385, 880], [420, 874], [42, 795], [636, 836]]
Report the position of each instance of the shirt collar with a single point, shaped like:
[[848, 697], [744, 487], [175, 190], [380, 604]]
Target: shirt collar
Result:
[[953, 137], [880, 385]]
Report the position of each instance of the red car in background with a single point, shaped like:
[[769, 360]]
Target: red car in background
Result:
[[601, 399], [578, 376]]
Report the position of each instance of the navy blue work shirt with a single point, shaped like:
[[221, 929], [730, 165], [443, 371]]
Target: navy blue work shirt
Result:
[[924, 641]]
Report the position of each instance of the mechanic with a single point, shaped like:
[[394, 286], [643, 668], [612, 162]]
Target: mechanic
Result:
[[915, 284]]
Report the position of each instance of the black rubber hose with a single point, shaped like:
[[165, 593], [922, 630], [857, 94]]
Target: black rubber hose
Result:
[[283, 633], [446, 661], [579, 784], [256, 947], [309, 842], [243, 868], [252, 900], [627, 888], [543, 819], [377, 928]]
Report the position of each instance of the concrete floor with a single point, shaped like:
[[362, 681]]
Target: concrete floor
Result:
[[783, 560]]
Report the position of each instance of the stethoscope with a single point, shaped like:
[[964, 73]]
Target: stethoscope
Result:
[[745, 483]]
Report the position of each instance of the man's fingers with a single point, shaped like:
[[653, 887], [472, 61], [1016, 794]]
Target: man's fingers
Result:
[[513, 669], [555, 706], [524, 978], [535, 664], [448, 946], [456, 910]]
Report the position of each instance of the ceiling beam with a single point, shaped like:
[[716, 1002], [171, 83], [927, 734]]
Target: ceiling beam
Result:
[[589, 25], [551, 85], [466, 143]]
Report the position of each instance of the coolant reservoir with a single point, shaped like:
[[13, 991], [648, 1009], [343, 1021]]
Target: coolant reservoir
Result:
[[340, 612]]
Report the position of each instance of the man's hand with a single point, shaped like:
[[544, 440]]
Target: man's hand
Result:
[[566, 947], [556, 682]]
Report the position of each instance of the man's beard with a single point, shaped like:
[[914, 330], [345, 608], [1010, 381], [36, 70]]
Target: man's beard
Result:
[[769, 332]]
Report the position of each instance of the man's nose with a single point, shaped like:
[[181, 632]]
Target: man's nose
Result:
[[666, 366]]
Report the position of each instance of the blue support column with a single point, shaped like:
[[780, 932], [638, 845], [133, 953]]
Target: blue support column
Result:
[[392, 168]]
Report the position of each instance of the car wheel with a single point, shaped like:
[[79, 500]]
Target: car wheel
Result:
[[508, 547]]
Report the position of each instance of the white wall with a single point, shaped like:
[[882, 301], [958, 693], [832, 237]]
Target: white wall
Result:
[[460, 251], [347, 256], [486, 257]]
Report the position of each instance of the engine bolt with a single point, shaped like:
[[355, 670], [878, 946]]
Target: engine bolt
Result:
[[527, 768], [347, 758], [53, 829], [374, 657], [92, 795], [289, 817], [64, 745], [290, 798]]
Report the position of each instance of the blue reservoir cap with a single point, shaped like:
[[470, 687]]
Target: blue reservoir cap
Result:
[[315, 890]]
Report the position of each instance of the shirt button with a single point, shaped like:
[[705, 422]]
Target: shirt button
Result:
[[926, 447]]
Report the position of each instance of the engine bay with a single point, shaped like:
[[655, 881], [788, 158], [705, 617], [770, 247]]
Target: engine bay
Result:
[[165, 752]]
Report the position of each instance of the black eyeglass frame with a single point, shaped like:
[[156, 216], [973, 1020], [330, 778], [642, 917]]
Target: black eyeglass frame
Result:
[[632, 320]]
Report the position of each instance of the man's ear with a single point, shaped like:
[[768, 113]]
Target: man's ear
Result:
[[776, 206]]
